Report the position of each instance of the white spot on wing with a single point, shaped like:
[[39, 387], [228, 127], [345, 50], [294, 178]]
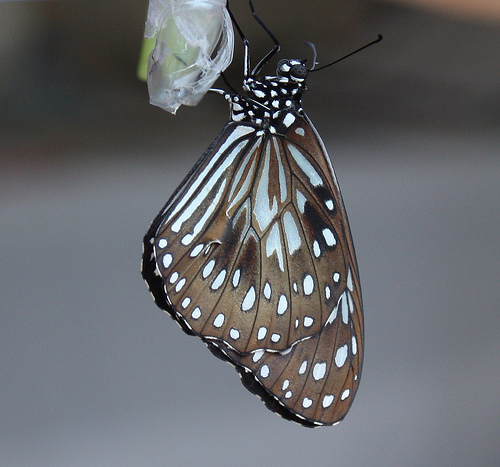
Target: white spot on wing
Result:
[[282, 304], [249, 300], [167, 260], [257, 355], [162, 243], [196, 250], [319, 371], [275, 337], [261, 333], [308, 285], [196, 313], [341, 356], [219, 280], [180, 284], [327, 400], [236, 278], [316, 249], [207, 270], [300, 131], [234, 333], [219, 320], [264, 371], [306, 403], [329, 237], [267, 290], [308, 321], [345, 394], [303, 367]]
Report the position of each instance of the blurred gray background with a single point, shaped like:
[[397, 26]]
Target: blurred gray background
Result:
[[92, 373]]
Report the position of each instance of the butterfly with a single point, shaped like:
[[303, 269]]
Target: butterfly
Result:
[[253, 254]]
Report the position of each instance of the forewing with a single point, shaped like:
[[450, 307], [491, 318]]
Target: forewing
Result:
[[251, 250]]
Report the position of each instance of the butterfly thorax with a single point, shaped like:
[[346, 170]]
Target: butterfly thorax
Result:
[[272, 102]]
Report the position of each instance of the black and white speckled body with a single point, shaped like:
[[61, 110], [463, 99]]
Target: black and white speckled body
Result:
[[273, 102]]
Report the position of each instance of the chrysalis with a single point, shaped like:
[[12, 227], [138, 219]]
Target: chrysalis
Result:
[[194, 44]]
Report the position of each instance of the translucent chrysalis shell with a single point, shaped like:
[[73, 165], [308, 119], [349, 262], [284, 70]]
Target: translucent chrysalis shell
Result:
[[194, 44]]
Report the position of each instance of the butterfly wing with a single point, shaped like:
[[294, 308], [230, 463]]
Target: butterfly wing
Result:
[[253, 254], [314, 382]]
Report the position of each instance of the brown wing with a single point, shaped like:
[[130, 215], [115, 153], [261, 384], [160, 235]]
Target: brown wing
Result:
[[253, 254]]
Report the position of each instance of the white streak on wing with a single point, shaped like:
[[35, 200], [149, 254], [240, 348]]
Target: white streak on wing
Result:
[[238, 132], [301, 202], [188, 238], [206, 187], [345, 309], [281, 173], [273, 244], [291, 232], [350, 285], [305, 166], [246, 184], [263, 214], [333, 314]]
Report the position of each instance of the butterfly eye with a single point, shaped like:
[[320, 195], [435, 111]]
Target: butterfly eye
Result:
[[298, 72]]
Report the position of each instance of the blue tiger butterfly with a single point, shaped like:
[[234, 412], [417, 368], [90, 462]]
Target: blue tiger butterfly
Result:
[[253, 253]]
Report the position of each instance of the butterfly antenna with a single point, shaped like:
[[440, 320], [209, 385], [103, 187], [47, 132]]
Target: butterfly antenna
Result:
[[273, 51], [348, 55], [246, 44], [313, 47]]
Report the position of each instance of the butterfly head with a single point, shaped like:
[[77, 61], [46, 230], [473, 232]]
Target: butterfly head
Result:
[[293, 69]]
